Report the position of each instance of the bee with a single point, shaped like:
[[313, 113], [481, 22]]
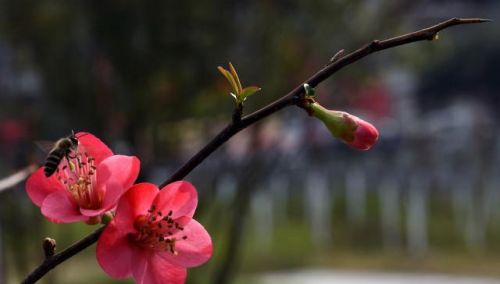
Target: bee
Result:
[[61, 149]]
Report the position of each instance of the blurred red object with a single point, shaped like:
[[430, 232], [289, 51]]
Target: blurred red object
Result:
[[374, 99], [13, 131]]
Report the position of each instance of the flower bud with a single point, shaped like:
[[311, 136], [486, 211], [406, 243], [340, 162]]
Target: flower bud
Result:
[[49, 247], [350, 129], [107, 217]]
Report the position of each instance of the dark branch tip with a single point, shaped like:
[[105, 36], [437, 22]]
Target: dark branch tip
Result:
[[375, 43], [485, 20], [49, 247], [470, 20], [337, 56]]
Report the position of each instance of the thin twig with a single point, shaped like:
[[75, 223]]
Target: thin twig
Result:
[[16, 178], [292, 98], [56, 259], [337, 56]]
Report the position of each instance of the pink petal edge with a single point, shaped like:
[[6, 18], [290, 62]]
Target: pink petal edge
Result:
[[119, 168], [140, 267], [38, 186], [114, 252], [180, 197], [195, 250], [112, 193], [94, 146], [59, 208], [159, 271], [136, 201]]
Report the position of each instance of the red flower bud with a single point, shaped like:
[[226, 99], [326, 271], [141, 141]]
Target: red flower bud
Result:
[[350, 129]]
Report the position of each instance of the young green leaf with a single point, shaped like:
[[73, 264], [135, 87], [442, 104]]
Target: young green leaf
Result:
[[248, 91], [229, 78], [239, 94], [236, 77]]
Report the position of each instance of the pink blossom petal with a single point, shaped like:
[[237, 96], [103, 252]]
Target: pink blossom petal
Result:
[[193, 251], [180, 197], [140, 267], [93, 146], [119, 168], [38, 186], [114, 252], [365, 136], [159, 271], [112, 192], [115, 175], [59, 208], [137, 201], [92, 212]]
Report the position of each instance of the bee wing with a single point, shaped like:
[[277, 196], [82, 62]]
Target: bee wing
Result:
[[45, 146]]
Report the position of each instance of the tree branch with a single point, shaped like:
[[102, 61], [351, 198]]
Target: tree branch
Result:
[[14, 179], [57, 259], [292, 98]]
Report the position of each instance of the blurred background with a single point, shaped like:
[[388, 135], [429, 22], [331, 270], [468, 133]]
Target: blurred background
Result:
[[282, 198]]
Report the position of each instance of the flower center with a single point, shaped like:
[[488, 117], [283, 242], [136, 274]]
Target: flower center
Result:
[[79, 176], [158, 231]]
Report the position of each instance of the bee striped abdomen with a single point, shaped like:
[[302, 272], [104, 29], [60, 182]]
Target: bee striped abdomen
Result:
[[53, 160]]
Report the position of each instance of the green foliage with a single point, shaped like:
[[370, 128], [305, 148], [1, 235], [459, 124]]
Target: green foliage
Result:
[[239, 93]]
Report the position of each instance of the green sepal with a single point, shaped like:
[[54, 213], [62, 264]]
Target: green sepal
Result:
[[338, 123], [310, 92], [106, 218]]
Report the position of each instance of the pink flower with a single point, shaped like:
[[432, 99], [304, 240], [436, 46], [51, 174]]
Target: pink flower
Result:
[[153, 237], [87, 188], [351, 129], [364, 136]]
